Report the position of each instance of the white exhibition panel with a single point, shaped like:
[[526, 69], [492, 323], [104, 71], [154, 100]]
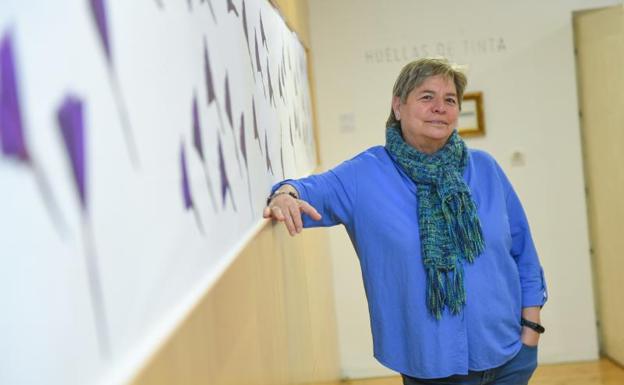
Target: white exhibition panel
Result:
[[89, 289]]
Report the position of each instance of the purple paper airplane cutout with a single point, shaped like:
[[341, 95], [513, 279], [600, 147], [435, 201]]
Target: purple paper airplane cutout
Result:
[[197, 142], [267, 158], [245, 22], [243, 146], [70, 119], [228, 102], [279, 84], [71, 124], [11, 126], [262, 34], [255, 123], [246, 31], [210, 90], [282, 161], [228, 110], [13, 143], [208, 73], [225, 182], [258, 65], [211, 10], [231, 7], [199, 147], [271, 96], [186, 190], [98, 10]]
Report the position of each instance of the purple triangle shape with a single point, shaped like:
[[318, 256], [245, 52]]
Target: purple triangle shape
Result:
[[71, 123], [243, 145], [255, 124], [231, 7], [197, 142], [255, 119], [262, 34], [214, 17], [225, 182], [208, 73], [186, 190], [267, 158], [279, 85], [98, 10], [245, 23], [11, 124], [271, 96], [282, 161], [258, 66], [228, 102]]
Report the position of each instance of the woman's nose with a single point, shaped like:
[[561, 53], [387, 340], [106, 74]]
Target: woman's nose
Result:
[[439, 107]]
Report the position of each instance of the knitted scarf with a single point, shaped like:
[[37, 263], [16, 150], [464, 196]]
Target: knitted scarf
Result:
[[450, 232]]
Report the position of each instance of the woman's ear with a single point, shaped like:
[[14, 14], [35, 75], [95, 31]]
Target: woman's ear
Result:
[[396, 102]]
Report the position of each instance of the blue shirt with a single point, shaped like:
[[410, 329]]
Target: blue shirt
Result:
[[376, 201]]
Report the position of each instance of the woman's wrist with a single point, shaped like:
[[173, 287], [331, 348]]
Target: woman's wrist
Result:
[[283, 190]]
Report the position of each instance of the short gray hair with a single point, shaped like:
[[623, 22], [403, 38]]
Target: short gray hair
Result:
[[416, 72]]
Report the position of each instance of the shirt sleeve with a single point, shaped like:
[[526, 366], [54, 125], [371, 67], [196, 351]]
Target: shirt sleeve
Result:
[[534, 291], [331, 193]]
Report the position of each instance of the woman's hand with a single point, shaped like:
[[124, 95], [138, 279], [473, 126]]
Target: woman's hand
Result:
[[529, 336], [285, 208]]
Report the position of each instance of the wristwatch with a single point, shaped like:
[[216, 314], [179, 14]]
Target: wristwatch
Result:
[[532, 325], [276, 193]]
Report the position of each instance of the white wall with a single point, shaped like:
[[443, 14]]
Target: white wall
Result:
[[520, 55], [154, 261]]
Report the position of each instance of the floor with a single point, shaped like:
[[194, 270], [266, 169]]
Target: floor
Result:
[[603, 372]]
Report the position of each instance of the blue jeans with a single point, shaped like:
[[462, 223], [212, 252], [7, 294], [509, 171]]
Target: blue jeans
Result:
[[516, 371]]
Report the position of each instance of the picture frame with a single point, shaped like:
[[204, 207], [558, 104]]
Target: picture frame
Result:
[[471, 120]]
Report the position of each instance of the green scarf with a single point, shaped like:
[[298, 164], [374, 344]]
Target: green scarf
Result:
[[450, 231]]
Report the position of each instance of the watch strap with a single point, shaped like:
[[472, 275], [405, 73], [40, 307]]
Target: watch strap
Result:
[[532, 325]]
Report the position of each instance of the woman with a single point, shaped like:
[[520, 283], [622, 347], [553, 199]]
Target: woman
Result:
[[453, 281]]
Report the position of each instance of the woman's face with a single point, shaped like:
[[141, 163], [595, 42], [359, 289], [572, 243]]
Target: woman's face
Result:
[[429, 115]]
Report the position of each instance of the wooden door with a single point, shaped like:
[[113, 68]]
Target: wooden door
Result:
[[599, 39]]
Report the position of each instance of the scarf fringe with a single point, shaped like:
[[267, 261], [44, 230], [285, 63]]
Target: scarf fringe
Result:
[[445, 288], [464, 226]]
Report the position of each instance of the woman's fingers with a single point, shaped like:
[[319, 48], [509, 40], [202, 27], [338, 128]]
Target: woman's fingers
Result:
[[288, 210], [296, 216], [276, 213], [289, 221], [307, 208]]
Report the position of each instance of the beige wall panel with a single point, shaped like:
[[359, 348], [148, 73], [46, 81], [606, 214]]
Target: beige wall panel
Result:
[[600, 47], [268, 320]]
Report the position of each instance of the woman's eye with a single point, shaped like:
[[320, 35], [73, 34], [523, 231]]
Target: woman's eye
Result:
[[451, 100], [427, 97]]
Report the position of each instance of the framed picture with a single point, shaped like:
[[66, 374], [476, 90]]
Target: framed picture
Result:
[[471, 119]]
